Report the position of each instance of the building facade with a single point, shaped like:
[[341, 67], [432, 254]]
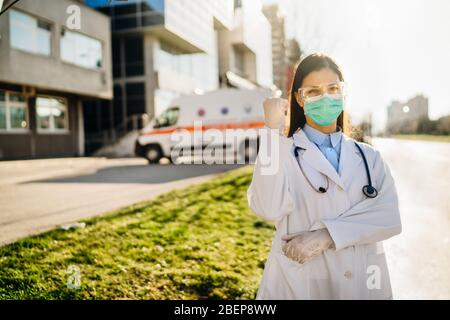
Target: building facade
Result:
[[161, 49], [245, 51], [277, 21], [46, 70], [166, 48], [405, 113], [293, 57]]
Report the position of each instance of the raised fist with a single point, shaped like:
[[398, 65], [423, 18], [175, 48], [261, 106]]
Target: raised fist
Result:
[[275, 112]]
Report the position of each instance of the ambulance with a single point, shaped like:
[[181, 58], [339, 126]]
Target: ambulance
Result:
[[191, 122]]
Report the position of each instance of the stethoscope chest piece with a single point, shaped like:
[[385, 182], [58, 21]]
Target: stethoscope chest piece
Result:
[[369, 191]]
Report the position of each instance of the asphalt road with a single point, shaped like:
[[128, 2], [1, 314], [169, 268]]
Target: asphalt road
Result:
[[40, 195], [419, 258]]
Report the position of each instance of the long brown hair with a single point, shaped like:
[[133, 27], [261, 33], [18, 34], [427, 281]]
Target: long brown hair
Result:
[[313, 62]]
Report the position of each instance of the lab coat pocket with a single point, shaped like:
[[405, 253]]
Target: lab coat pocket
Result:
[[377, 277], [280, 278]]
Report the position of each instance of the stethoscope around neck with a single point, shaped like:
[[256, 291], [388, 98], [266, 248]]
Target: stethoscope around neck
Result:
[[368, 190]]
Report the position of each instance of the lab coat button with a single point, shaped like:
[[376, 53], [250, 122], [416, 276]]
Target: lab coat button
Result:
[[348, 274]]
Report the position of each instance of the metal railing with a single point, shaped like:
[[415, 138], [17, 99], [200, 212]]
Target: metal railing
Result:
[[94, 141]]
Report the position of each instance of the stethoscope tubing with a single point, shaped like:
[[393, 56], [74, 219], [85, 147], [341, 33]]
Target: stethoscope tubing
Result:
[[368, 190]]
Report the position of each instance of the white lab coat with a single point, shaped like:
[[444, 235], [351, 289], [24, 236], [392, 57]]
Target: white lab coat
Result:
[[357, 268]]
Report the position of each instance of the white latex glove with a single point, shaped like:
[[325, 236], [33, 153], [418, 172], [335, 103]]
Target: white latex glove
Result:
[[275, 111], [306, 245]]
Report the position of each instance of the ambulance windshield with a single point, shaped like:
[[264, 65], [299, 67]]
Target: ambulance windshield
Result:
[[167, 118]]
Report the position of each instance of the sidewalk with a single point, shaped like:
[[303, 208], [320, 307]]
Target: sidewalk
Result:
[[39, 195]]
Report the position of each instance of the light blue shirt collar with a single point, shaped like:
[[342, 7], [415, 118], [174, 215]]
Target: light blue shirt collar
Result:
[[320, 138]]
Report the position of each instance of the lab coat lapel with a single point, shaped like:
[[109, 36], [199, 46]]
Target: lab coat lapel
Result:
[[315, 158], [348, 160]]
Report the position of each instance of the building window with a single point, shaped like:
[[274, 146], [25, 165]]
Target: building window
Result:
[[51, 114], [119, 105], [135, 94], [29, 33], [117, 57], [81, 50], [134, 56], [239, 62], [135, 14], [13, 112]]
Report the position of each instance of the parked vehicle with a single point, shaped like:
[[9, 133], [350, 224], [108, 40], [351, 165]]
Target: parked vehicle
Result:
[[230, 111]]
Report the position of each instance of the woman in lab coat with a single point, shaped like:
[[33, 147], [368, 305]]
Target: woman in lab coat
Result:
[[308, 180]]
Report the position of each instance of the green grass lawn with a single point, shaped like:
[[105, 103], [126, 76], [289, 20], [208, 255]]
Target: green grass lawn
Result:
[[427, 137], [196, 243]]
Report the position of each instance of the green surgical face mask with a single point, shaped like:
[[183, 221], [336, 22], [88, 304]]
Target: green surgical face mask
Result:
[[325, 110]]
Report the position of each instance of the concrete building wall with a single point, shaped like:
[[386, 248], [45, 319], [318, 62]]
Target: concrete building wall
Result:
[[151, 46], [191, 20], [33, 75], [222, 11], [276, 19], [34, 144], [250, 37], [51, 72], [258, 36]]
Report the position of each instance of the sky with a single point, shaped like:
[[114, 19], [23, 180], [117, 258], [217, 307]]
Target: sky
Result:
[[387, 49]]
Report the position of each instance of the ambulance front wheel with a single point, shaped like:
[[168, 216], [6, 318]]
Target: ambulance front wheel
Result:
[[153, 154]]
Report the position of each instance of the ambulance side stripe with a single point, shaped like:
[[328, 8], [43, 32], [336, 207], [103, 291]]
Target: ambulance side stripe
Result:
[[220, 126]]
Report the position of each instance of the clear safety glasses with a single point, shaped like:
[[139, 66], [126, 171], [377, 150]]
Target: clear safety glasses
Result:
[[313, 92]]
